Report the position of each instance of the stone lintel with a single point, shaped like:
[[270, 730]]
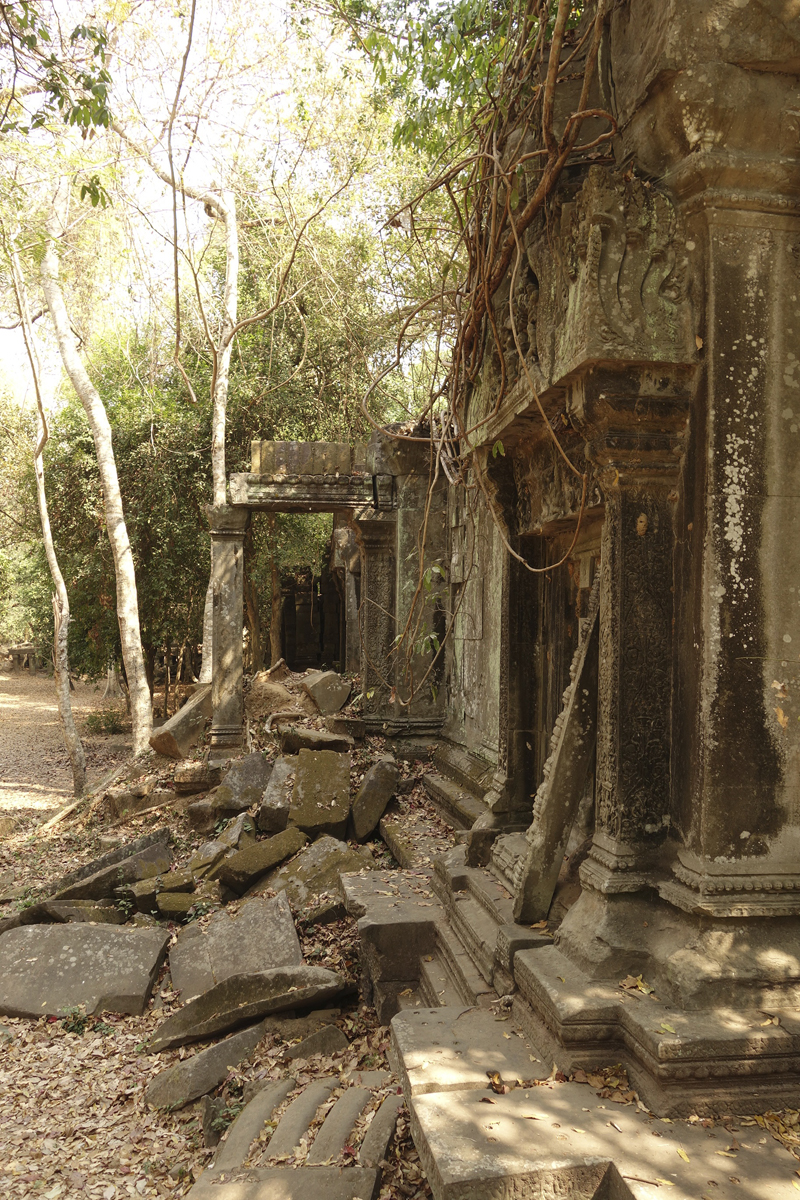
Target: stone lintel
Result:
[[302, 493]]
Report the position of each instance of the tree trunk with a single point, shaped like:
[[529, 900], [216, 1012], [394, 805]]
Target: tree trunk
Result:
[[72, 739], [127, 600]]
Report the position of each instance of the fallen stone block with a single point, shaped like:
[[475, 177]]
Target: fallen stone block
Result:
[[179, 733], [376, 791], [193, 777], [153, 860], [239, 833], [131, 797], [120, 851], [321, 794], [204, 815], [243, 999], [259, 937], [352, 727], [210, 1120], [8, 826], [48, 968], [244, 783], [327, 1040], [194, 1077], [316, 870], [293, 739], [245, 866], [397, 922], [328, 690], [174, 906], [273, 812], [209, 854]]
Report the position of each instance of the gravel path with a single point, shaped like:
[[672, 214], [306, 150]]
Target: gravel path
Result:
[[35, 775]]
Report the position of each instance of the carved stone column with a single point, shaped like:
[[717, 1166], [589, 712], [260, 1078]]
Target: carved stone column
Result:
[[635, 436], [228, 526], [377, 535]]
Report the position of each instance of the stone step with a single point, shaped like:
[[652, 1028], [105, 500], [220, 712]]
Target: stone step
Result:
[[453, 876], [476, 931], [469, 772], [469, 983], [459, 807], [560, 1140], [436, 985]]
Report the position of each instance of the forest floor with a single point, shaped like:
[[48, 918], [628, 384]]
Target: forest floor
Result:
[[74, 1123], [35, 775]]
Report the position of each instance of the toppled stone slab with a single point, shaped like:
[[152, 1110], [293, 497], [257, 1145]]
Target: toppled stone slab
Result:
[[329, 691], [181, 731], [245, 866], [559, 1140], [450, 1049], [193, 777], [194, 1077], [293, 740], [321, 794], [377, 789], [120, 851], [48, 968], [352, 727], [316, 870], [153, 860], [244, 783], [261, 936], [245, 998], [273, 813]]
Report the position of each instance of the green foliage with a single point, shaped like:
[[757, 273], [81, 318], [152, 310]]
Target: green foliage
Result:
[[72, 76], [439, 61], [105, 720]]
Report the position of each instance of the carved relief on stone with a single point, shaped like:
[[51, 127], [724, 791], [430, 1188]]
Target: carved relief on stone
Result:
[[633, 761], [614, 283]]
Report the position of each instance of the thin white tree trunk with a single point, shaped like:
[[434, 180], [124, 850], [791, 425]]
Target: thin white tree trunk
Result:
[[72, 739], [127, 600]]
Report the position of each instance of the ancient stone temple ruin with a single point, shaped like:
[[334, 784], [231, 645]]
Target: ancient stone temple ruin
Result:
[[632, 702]]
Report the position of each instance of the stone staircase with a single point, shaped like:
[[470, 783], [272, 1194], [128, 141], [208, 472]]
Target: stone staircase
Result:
[[320, 1147], [457, 785]]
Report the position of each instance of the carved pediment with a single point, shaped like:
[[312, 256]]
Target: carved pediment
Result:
[[613, 285]]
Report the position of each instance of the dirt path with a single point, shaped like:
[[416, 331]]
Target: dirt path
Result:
[[35, 775]]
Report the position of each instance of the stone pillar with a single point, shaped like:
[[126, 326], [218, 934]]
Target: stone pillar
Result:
[[637, 446], [377, 535], [228, 526], [738, 809], [352, 638]]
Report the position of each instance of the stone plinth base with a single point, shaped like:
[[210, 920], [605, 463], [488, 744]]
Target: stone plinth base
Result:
[[681, 1062]]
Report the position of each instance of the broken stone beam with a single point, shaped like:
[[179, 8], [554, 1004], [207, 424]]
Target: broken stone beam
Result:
[[559, 796], [181, 731]]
